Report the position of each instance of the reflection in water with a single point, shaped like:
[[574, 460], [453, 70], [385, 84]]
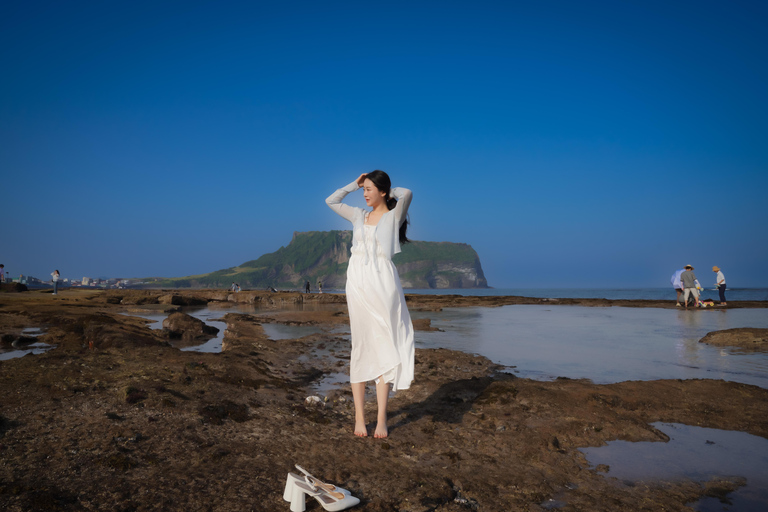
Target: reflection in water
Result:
[[21, 348], [289, 332], [213, 345], [693, 453], [209, 316], [32, 348], [605, 344]]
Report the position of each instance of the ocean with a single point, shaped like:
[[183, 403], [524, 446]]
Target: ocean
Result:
[[598, 293]]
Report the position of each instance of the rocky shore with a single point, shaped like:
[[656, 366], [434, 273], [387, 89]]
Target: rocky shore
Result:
[[116, 417]]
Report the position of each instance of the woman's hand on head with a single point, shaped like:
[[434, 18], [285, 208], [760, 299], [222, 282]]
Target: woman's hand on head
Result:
[[361, 179]]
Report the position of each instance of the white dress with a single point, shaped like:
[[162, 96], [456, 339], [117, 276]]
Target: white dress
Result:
[[382, 332]]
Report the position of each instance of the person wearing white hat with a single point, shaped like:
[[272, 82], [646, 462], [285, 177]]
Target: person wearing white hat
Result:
[[720, 283]]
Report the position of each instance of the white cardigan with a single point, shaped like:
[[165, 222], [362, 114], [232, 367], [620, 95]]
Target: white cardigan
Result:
[[387, 231]]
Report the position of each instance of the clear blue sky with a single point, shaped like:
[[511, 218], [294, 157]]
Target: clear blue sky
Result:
[[593, 143]]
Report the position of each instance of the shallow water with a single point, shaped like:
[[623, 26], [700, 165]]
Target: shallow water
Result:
[[207, 315], [694, 453], [289, 332], [605, 344], [666, 293], [32, 348]]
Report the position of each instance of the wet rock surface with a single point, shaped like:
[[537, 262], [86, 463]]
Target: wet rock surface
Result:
[[114, 418], [749, 338], [181, 326]]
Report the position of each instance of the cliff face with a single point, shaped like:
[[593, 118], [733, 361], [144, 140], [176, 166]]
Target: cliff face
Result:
[[439, 265], [324, 255]]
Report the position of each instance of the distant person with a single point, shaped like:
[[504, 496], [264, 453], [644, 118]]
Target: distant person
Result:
[[306, 287], [55, 278], [232, 287], [720, 283], [319, 286], [380, 324], [2, 273], [689, 285], [237, 288], [677, 284]]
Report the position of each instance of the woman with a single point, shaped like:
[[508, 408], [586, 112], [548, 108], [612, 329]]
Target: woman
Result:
[[55, 278], [382, 333]]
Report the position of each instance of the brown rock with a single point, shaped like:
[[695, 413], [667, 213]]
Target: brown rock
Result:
[[13, 287], [188, 328], [750, 338], [424, 324]]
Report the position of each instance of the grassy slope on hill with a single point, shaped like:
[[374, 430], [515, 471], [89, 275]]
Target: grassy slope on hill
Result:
[[309, 256]]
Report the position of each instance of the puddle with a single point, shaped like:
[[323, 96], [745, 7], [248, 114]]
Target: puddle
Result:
[[279, 332], [213, 345], [156, 318], [207, 315], [289, 332], [694, 453], [330, 382], [16, 349], [32, 348]]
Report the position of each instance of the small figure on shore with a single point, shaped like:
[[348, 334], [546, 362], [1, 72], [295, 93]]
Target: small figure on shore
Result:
[[689, 285], [720, 283], [237, 288], [306, 287], [232, 287], [677, 284], [380, 324], [55, 278], [2, 273], [319, 286]]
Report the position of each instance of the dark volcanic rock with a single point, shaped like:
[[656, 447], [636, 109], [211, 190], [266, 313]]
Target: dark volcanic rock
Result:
[[13, 287], [181, 300], [175, 429], [185, 327]]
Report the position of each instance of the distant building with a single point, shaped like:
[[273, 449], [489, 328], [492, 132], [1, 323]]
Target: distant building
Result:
[[86, 281]]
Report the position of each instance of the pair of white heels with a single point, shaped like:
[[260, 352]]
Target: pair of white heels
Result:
[[329, 496]]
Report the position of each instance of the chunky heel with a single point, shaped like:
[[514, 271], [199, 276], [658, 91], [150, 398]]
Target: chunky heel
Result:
[[298, 502], [288, 491], [330, 497]]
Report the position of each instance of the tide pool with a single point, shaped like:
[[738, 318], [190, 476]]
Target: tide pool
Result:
[[605, 344]]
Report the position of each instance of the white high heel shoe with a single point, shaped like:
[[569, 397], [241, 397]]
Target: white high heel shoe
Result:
[[331, 501], [316, 482], [329, 496]]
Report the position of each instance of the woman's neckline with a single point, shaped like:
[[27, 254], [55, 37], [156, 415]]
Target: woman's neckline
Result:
[[367, 214]]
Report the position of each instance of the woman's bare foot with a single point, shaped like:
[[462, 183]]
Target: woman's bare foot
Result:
[[381, 431], [360, 429]]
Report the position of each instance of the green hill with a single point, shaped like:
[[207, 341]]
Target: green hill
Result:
[[323, 256]]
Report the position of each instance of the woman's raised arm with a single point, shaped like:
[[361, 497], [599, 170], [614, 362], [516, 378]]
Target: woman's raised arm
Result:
[[334, 201], [404, 197]]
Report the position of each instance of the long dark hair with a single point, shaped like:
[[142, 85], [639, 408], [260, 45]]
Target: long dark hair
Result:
[[384, 184]]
